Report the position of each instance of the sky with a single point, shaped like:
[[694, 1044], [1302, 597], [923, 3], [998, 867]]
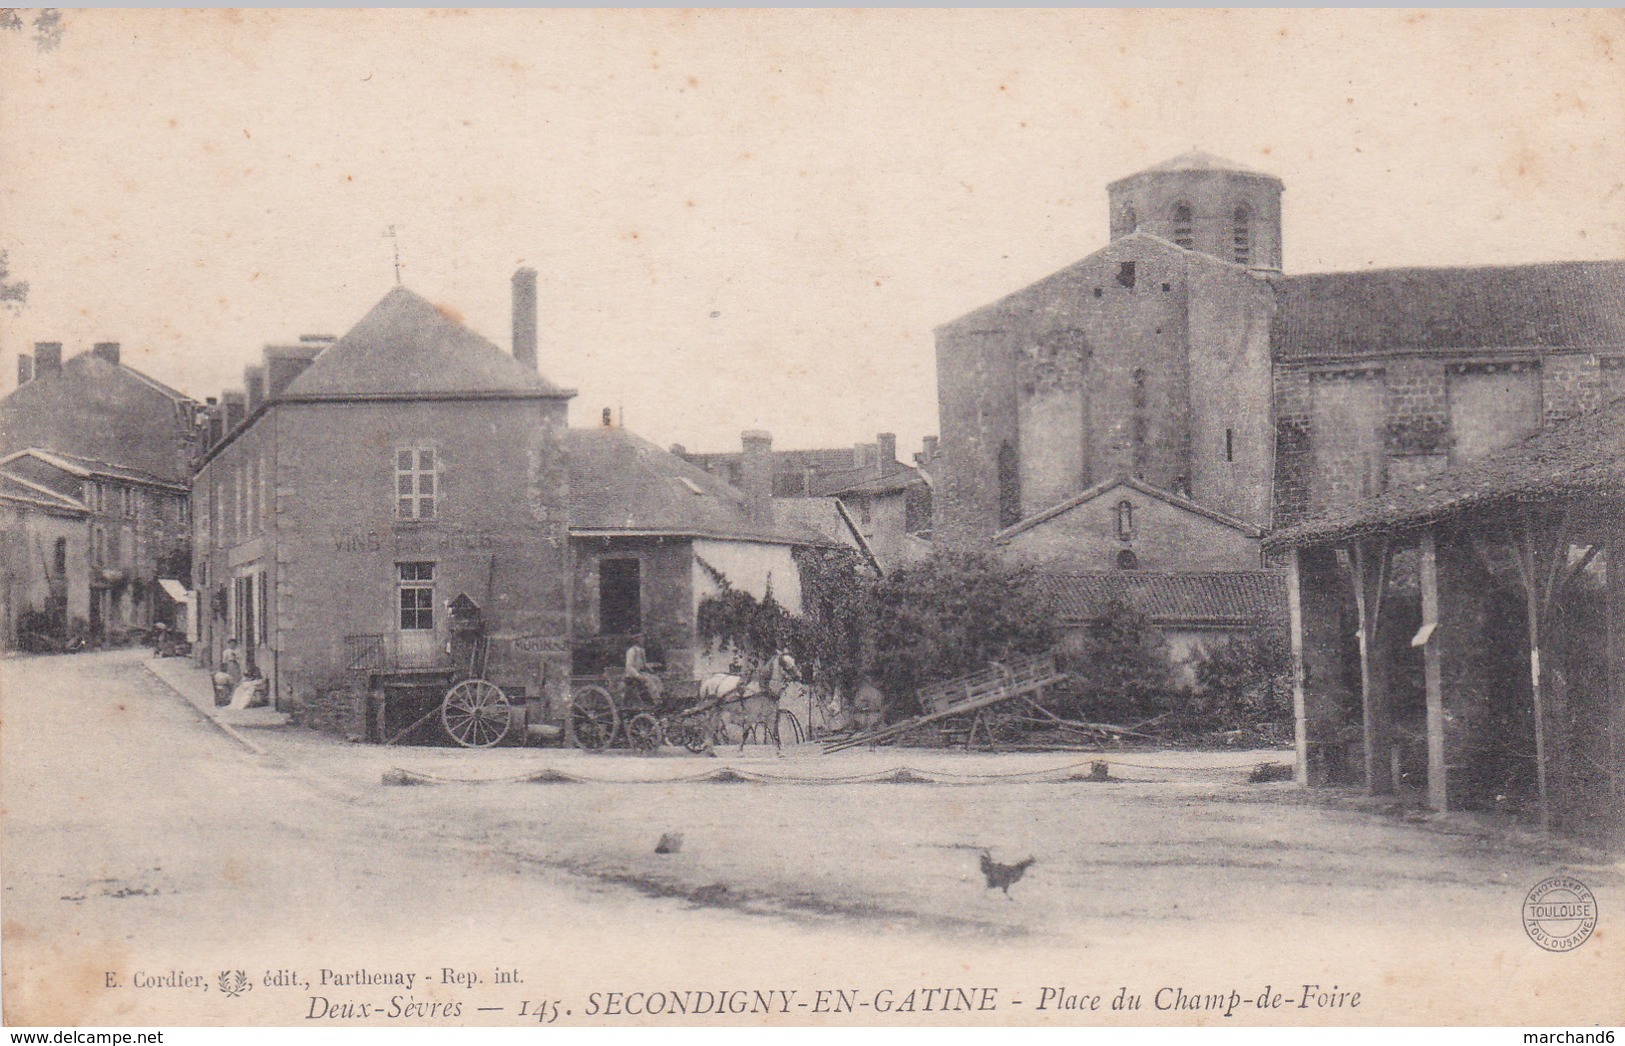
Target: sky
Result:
[[747, 219]]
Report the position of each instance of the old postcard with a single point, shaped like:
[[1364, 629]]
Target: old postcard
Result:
[[782, 518]]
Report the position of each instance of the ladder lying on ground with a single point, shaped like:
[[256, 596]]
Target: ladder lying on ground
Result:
[[1018, 678]]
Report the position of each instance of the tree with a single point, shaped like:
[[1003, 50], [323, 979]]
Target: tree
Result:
[[952, 614], [13, 293]]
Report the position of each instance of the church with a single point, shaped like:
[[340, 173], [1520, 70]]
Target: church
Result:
[[1164, 403]]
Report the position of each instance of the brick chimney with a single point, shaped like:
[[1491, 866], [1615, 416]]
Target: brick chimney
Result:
[[284, 363], [106, 350], [254, 385], [524, 317], [216, 422], [47, 358], [929, 454], [887, 441], [756, 473], [25, 368], [233, 402]]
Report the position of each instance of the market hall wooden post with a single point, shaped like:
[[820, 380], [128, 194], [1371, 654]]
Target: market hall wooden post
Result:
[[1370, 582], [1538, 604], [1432, 677], [1300, 724]]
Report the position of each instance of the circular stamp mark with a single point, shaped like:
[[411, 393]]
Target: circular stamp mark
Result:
[[1559, 913]]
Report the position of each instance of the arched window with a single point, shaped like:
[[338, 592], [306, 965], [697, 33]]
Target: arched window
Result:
[[1243, 237], [1125, 520], [1127, 560], [1009, 485], [1131, 221], [1182, 225]]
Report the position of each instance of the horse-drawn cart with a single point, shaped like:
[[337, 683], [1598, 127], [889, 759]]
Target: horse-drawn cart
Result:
[[481, 689]]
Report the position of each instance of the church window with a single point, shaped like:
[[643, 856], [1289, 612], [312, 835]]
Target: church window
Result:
[[1131, 221], [1099, 292], [1127, 560], [1230, 444], [1182, 226], [1167, 287], [1009, 485], [1243, 235], [1125, 519], [1125, 274]]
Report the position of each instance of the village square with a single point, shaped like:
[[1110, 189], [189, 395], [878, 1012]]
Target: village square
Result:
[[1224, 602]]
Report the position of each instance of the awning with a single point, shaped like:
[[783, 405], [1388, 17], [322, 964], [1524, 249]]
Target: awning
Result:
[[175, 590]]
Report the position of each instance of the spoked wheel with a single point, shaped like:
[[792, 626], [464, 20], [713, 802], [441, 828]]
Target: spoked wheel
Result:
[[593, 718], [476, 714], [644, 733], [688, 731], [790, 731]]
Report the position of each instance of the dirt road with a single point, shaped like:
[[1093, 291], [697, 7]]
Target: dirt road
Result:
[[141, 840]]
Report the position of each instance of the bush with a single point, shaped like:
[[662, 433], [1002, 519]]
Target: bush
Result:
[[1119, 668], [1243, 684]]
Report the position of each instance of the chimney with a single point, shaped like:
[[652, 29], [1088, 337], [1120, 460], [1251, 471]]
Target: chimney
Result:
[[254, 383], [233, 404], [216, 420], [284, 363], [524, 317], [25, 368], [887, 442], [106, 350], [47, 358], [930, 453], [679, 451], [756, 473]]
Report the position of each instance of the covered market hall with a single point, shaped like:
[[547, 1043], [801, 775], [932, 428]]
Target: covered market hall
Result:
[[1460, 640]]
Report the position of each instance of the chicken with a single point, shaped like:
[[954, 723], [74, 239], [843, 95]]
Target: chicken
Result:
[[1003, 875]]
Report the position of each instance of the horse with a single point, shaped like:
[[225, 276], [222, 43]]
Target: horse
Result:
[[753, 705]]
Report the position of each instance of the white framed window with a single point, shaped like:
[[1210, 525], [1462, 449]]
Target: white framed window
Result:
[[416, 483], [416, 596]]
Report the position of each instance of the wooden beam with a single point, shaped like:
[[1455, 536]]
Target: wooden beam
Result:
[[1369, 580], [1438, 792], [1528, 569], [1300, 724]]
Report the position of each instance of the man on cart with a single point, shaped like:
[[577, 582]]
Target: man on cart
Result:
[[637, 671]]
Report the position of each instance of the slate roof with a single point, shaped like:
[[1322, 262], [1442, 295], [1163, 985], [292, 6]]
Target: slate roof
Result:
[[17, 489], [1196, 160], [82, 467], [1584, 455], [1217, 598], [620, 482], [827, 516], [1103, 488], [1574, 305], [407, 347]]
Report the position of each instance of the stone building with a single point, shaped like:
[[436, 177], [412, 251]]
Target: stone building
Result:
[[92, 440], [356, 487], [361, 492], [1181, 366], [886, 501]]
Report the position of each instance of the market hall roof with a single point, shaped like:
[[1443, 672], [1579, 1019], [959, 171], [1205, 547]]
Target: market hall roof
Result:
[[1558, 305], [621, 484], [1584, 455], [407, 347]]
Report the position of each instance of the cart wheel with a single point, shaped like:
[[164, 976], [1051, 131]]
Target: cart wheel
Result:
[[476, 714], [688, 731], [593, 718], [790, 732], [644, 733]]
